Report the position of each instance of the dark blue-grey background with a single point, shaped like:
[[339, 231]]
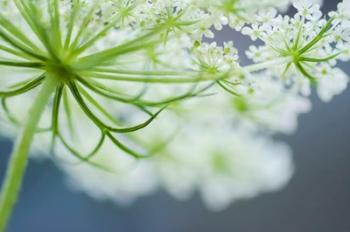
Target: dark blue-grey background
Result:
[[316, 200]]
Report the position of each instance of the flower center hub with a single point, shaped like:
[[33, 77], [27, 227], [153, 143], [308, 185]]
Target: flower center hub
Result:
[[61, 70], [295, 54]]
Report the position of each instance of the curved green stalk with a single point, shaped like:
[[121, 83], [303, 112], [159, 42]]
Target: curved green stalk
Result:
[[19, 158]]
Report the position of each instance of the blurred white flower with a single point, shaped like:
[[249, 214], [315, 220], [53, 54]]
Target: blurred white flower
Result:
[[270, 105], [223, 163], [111, 175], [332, 82]]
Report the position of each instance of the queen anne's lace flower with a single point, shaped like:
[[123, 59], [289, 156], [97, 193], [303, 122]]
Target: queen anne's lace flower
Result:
[[305, 44], [108, 69]]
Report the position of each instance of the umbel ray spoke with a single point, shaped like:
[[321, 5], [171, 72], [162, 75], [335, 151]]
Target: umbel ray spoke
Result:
[[85, 22], [15, 90], [55, 115], [21, 64], [149, 39], [14, 31], [56, 133], [17, 53], [145, 73], [23, 88], [84, 158], [102, 125], [99, 35], [30, 14], [20, 46], [107, 130], [18, 89], [126, 149], [111, 94], [70, 26], [156, 79]]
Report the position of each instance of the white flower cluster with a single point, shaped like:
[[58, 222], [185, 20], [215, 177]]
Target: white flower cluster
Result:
[[127, 58], [309, 47]]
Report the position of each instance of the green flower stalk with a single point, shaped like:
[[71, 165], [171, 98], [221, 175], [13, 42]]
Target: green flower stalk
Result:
[[19, 157]]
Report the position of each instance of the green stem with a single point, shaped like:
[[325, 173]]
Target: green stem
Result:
[[19, 158]]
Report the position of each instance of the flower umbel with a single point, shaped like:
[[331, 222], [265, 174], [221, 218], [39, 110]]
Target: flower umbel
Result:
[[310, 44], [70, 47]]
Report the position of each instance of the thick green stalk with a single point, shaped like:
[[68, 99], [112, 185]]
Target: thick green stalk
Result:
[[19, 158]]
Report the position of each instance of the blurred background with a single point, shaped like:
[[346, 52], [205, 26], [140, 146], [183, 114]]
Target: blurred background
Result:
[[317, 199]]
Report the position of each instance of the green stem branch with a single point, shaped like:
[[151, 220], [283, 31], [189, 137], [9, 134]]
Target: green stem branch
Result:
[[261, 66], [19, 158]]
